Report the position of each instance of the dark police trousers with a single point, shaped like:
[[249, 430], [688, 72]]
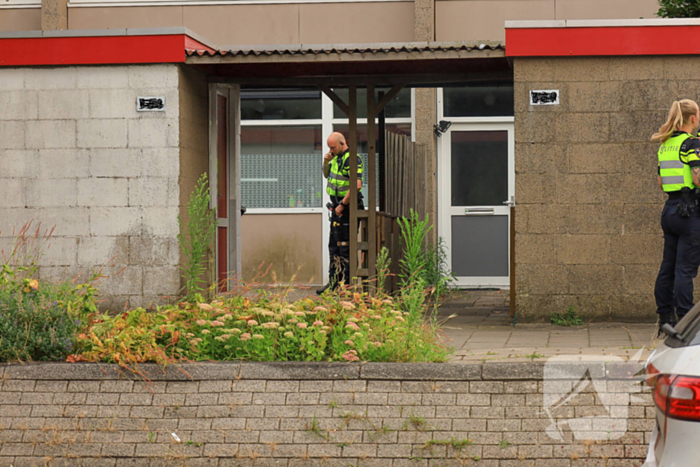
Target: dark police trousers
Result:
[[674, 284], [339, 268]]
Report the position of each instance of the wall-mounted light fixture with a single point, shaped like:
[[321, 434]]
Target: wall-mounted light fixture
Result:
[[441, 127]]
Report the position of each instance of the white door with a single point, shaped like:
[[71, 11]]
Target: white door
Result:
[[477, 187]]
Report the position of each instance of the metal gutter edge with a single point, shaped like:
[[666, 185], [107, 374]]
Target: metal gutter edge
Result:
[[602, 23]]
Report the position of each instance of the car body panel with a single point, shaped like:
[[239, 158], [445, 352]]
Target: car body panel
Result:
[[677, 443]]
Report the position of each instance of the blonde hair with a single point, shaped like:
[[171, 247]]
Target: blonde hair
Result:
[[679, 115]]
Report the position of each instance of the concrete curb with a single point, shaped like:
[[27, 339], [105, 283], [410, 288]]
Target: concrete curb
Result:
[[211, 371]]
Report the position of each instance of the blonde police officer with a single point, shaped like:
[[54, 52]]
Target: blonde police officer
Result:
[[679, 175]]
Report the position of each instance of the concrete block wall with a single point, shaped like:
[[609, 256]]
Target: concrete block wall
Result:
[[75, 153], [309, 415], [588, 229]]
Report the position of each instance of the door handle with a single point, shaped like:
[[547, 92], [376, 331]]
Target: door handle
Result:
[[510, 203], [478, 211]]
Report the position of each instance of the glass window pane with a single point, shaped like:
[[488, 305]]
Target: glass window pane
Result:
[[479, 168], [493, 100], [399, 107], [280, 104], [281, 167], [400, 128]]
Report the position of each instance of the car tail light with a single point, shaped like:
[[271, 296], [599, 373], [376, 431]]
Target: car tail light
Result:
[[678, 396], [684, 398]]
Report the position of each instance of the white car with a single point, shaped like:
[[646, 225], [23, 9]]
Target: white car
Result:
[[673, 371]]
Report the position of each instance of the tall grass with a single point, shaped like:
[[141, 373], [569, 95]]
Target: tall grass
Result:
[[197, 238]]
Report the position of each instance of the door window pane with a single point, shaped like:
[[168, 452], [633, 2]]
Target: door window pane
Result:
[[399, 107], [280, 104], [493, 100], [479, 162], [281, 167]]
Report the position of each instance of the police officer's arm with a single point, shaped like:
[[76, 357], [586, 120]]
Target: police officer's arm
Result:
[[326, 164], [694, 160]]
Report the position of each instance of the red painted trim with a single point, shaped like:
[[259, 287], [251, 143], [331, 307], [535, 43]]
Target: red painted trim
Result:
[[92, 50], [576, 42]]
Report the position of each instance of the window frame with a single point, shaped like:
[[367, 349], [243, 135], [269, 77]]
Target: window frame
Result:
[[327, 123]]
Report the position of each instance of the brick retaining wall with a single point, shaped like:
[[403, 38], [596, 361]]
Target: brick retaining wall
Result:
[[297, 414]]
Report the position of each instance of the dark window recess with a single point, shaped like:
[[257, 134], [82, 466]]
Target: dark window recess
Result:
[[399, 107], [484, 100], [280, 104]]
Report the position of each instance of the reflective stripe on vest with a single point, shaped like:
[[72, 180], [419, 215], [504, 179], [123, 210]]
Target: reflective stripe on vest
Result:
[[339, 184], [673, 165]]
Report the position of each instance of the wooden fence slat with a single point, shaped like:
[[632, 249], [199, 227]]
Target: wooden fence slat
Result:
[[405, 183]]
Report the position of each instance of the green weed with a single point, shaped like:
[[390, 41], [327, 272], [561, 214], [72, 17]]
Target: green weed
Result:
[[570, 318], [197, 237], [504, 443]]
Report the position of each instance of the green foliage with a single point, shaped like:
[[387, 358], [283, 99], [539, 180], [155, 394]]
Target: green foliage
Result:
[[504, 443], [679, 9], [456, 444], [437, 274], [38, 319], [345, 327], [197, 237], [421, 265], [383, 264], [413, 263], [570, 318]]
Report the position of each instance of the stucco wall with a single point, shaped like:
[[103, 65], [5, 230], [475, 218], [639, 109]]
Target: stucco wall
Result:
[[75, 153], [464, 20], [21, 19], [587, 223], [307, 23]]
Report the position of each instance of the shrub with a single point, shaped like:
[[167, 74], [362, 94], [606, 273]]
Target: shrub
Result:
[[679, 9], [345, 327], [38, 319]]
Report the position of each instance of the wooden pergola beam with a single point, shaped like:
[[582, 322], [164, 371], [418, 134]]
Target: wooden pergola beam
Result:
[[336, 99], [352, 123]]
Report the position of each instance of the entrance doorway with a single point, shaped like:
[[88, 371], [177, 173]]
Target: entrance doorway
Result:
[[224, 169], [476, 192]]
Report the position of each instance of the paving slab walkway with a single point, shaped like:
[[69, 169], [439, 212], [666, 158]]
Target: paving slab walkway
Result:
[[478, 325]]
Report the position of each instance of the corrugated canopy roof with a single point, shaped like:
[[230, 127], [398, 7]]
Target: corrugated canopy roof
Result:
[[380, 49], [410, 63]]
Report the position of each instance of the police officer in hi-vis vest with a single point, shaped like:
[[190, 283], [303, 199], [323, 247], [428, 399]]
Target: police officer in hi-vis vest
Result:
[[336, 168], [679, 175]]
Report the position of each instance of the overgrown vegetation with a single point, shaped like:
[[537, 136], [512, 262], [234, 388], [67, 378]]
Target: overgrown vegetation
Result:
[[45, 321], [569, 318], [679, 9], [348, 326], [38, 319], [197, 237], [423, 265]]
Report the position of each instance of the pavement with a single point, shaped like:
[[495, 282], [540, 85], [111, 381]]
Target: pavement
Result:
[[478, 325]]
